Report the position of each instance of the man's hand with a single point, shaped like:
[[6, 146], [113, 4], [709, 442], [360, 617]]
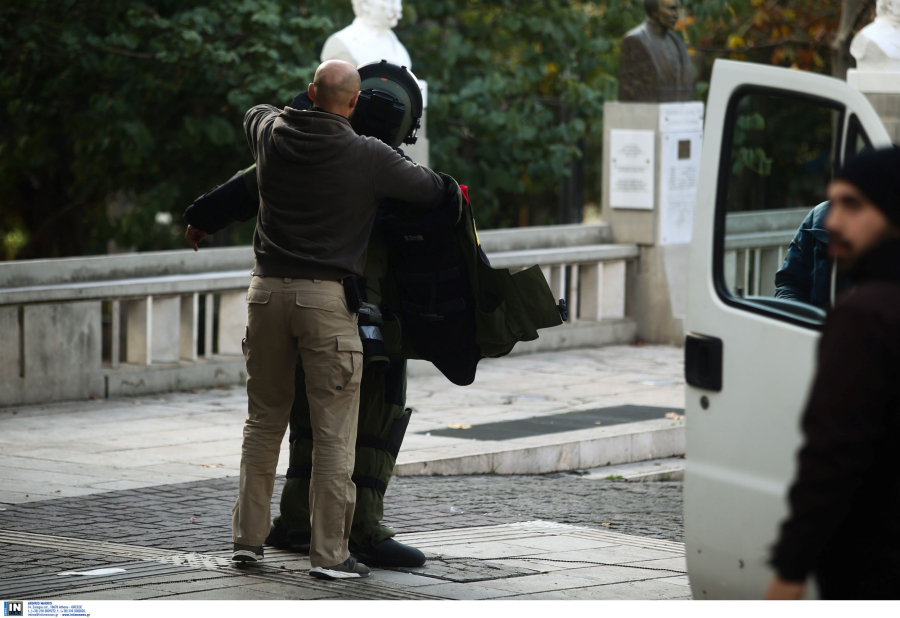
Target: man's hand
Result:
[[194, 236], [782, 590]]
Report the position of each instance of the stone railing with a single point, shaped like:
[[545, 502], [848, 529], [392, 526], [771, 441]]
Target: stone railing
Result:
[[755, 246], [150, 322]]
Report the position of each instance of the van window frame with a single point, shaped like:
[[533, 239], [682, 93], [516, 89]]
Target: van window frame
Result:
[[855, 130], [721, 210]]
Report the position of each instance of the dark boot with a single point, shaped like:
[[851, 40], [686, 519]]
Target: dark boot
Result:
[[280, 537], [388, 553]]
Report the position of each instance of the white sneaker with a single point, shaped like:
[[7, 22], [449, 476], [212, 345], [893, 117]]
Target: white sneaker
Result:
[[348, 569], [247, 553]]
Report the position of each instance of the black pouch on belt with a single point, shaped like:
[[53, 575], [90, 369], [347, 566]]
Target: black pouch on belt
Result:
[[351, 293]]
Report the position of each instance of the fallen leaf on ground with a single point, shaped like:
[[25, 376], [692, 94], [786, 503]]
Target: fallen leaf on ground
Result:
[[606, 523], [674, 416], [211, 465], [459, 426]]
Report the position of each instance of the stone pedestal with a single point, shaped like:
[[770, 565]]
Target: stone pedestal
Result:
[[651, 209], [882, 88]]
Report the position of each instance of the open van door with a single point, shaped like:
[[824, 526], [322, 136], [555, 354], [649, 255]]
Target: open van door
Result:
[[773, 138]]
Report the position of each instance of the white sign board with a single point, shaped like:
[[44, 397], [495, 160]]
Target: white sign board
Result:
[[632, 169], [681, 117], [679, 174]]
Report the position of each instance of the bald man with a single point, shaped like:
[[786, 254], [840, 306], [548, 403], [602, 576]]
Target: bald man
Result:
[[319, 185]]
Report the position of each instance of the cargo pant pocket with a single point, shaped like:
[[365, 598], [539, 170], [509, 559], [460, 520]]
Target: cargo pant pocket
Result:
[[255, 296], [348, 364]]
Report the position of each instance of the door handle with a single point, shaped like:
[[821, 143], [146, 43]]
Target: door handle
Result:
[[703, 361]]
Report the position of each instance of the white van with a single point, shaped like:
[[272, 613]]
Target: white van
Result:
[[772, 140]]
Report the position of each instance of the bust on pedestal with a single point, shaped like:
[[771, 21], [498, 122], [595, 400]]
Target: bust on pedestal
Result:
[[655, 65], [370, 38], [651, 155], [876, 49], [877, 46]]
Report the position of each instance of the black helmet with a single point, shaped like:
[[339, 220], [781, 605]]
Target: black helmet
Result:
[[389, 107], [390, 103]]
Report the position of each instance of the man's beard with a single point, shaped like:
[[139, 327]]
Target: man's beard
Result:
[[846, 264], [843, 264]]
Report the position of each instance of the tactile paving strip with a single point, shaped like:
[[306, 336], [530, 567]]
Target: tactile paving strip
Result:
[[41, 586], [82, 546], [289, 569]]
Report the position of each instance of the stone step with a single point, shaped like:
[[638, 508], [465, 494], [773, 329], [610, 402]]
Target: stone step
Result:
[[559, 452], [668, 469]]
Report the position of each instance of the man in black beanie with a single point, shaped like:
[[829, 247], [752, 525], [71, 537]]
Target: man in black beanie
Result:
[[844, 522]]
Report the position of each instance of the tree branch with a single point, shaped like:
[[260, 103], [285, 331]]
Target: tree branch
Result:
[[122, 52], [852, 12], [769, 45]]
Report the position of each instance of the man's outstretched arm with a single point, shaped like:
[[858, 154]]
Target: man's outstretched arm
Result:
[[235, 200]]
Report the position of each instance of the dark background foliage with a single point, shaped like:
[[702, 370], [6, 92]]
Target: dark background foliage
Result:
[[116, 114]]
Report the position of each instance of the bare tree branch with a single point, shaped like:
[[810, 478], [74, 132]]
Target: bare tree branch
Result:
[[852, 12], [122, 52]]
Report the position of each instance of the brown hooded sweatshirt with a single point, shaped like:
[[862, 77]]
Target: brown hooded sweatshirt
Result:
[[319, 188]]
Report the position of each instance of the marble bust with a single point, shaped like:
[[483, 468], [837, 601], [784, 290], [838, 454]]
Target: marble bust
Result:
[[654, 62], [370, 37], [877, 46]]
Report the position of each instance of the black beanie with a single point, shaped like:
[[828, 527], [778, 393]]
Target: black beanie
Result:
[[877, 174]]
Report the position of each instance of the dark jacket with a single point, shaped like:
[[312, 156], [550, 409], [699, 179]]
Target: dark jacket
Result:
[[845, 503], [426, 269], [319, 185], [455, 309], [805, 275]]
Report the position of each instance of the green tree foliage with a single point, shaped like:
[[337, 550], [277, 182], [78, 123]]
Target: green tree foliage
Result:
[[514, 86], [112, 102], [117, 100]]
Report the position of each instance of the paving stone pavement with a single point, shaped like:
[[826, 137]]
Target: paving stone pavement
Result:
[[77, 477], [159, 517], [80, 448]]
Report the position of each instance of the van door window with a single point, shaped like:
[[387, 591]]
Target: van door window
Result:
[[780, 152], [857, 139]]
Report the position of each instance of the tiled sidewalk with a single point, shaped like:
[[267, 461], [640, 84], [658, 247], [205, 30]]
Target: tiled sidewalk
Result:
[[469, 527], [80, 448], [520, 560], [115, 483]]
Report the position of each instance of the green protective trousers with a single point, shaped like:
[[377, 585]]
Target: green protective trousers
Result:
[[383, 420]]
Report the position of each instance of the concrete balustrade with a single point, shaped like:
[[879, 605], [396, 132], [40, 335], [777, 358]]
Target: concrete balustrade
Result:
[[755, 247], [141, 323]]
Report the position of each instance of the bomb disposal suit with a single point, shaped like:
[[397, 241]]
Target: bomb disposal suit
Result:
[[428, 293]]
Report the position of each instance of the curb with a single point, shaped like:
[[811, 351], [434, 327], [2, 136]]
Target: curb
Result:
[[629, 443]]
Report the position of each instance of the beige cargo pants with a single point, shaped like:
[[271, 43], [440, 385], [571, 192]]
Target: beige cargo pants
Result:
[[285, 316]]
